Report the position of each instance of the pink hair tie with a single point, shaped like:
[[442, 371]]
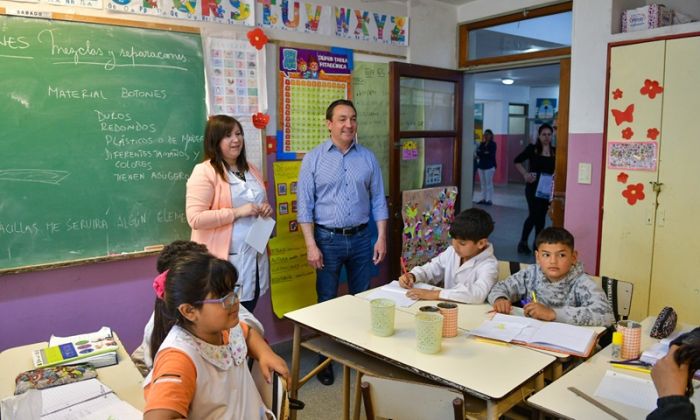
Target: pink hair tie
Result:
[[159, 284]]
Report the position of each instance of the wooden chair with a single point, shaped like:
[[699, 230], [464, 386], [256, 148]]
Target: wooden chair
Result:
[[403, 400], [506, 268]]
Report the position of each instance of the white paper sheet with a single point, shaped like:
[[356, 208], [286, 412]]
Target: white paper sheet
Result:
[[395, 292], [629, 390], [259, 233], [503, 331]]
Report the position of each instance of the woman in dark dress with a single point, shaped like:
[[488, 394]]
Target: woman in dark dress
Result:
[[540, 157]]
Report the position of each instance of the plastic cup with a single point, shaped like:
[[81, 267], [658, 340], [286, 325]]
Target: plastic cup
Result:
[[382, 315], [428, 332]]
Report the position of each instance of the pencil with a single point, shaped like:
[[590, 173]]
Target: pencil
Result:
[[630, 367], [534, 297], [489, 341]]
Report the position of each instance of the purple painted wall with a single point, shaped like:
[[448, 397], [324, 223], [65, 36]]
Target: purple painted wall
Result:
[[582, 212]]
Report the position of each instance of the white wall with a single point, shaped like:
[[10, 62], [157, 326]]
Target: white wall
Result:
[[433, 34], [480, 9], [497, 97]]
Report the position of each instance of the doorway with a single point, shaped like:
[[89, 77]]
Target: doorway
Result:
[[513, 104]]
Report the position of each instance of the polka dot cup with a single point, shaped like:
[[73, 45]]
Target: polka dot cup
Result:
[[429, 332]]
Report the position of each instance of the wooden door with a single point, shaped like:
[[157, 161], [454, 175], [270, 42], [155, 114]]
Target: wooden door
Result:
[[627, 233], [562, 153], [426, 130], [674, 279]]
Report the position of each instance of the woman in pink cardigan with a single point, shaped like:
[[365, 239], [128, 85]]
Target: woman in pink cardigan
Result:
[[225, 194]]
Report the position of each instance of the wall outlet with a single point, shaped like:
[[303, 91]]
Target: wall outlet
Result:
[[584, 173]]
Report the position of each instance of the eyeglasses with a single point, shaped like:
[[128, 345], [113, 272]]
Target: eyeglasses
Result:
[[227, 301]]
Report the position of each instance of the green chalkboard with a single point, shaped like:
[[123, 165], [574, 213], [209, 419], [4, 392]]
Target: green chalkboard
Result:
[[100, 127]]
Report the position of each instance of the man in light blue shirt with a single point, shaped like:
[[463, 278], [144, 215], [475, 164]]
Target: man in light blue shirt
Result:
[[340, 182]]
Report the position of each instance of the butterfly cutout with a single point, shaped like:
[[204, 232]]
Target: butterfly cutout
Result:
[[622, 116]]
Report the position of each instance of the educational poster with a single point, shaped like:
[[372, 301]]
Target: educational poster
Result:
[[236, 76], [545, 108], [370, 93], [427, 215], [371, 26], [142, 7], [93, 4], [231, 12], [292, 280], [637, 155], [309, 81], [295, 16]]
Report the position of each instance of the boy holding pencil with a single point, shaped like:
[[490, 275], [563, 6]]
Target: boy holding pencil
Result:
[[556, 288], [468, 267]]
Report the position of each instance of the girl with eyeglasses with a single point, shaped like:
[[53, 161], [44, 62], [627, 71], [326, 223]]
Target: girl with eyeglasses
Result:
[[199, 369]]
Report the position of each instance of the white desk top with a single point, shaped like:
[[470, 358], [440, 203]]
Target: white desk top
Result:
[[557, 399], [487, 370], [123, 378]]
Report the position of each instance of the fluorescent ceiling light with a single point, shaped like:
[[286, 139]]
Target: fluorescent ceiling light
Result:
[[507, 81]]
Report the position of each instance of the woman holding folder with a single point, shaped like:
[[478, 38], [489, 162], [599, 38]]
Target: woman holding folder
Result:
[[225, 194]]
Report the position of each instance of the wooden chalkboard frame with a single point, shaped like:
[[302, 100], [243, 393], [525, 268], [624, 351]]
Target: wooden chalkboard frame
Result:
[[150, 251]]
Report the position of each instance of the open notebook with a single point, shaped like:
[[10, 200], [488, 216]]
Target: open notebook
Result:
[[554, 336]]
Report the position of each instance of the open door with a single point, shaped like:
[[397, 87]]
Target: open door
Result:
[[425, 139], [562, 145]]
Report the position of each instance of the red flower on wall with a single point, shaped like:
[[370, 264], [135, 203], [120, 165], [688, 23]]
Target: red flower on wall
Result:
[[622, 177], [257, 38], [627, 133], [651, 88], [260, 120], [652, 133], [633, 193], [617, 94]]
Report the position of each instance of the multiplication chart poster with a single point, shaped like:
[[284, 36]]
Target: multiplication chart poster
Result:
[[309, 81]]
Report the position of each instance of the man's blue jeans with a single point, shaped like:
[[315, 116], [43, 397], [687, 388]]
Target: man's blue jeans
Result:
[[353, 251]]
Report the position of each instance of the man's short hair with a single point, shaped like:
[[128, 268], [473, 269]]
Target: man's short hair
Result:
[[337, 102], [555, 235], [472, 225]]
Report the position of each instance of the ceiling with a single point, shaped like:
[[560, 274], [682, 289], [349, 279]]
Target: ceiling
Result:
[[537, 76]]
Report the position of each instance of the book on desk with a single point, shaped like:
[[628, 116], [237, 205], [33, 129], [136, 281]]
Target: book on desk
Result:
[[552, 336], [98, 349]]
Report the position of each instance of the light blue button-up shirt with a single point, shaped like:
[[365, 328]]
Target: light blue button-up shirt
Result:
[[338, 190]]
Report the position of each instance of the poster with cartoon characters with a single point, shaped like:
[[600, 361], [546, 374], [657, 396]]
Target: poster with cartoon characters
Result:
[[427, 215], [309, 81]]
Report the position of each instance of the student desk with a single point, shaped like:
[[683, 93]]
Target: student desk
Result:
[[499, 375], [558, 400], [472, 315], [123, 378]]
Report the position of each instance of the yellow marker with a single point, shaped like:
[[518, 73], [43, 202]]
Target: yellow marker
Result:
[[489, 341], [534, 297], [631, 367]]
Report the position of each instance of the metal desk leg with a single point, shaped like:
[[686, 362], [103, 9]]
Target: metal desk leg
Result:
[[491, 410], [346, 392], [539, 381], [557, 370], [296, 353]]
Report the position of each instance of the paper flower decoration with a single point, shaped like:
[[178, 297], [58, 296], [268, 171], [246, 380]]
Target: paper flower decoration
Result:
[[622, 178], [617, 94], [627, 133], [633, 193], [257, 38], [623, 116], [260, 120], [651, 88], [652, 133]]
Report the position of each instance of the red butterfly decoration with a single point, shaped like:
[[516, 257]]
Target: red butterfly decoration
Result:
[[622, 116]]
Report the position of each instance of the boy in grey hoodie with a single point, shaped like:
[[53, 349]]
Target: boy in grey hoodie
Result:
[[556, 288]]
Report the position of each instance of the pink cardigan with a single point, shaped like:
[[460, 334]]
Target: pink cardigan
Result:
[[209, 210]]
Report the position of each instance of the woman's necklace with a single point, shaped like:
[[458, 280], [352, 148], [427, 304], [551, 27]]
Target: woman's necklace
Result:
[[240, 175]]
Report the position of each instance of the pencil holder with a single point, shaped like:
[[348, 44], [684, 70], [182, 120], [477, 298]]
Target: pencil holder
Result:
[[382, 315], [449, 322], [428, 308], [428, 332], [631, 338]]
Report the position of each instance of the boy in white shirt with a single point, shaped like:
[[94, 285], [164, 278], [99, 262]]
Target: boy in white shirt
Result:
[[468, 267]]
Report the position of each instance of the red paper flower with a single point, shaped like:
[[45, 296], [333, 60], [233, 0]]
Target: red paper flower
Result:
[[257, 38], [617, 94], [260, 120], [622, 178], [651, 88], [652, 133], [627, 133], [633, 193]]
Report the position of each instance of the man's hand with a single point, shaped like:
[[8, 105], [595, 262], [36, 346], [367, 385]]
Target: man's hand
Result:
[[669, 378], [502, 305], [314, 257], [379, 251], [539, 311]]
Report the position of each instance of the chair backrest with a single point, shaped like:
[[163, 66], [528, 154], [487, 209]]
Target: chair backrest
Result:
[[619, 295], [506, 268], [403, 400], [274, 394]]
